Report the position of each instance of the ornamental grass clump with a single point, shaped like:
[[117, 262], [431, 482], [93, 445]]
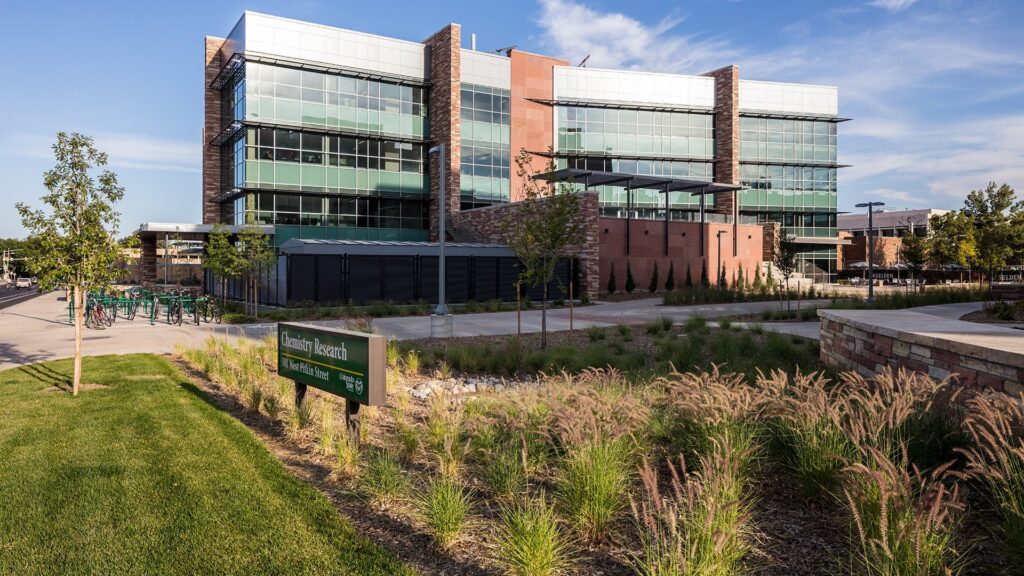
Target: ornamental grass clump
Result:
[[996, 460], [530, 542], [444, 506], [697, 525], [300, 417], [383, 478], [807, 421], [592, 481], [904, 522], [712, 407], [327, 439], [346, 455], [504, 469]]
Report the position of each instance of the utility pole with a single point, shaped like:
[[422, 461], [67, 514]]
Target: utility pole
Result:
[[440, 321]]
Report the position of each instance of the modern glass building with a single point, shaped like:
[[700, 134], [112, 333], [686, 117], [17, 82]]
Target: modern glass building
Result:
[[324, 133]]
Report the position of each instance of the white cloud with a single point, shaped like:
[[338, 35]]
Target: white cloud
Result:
[[615, 40], [893, 5], [129, 151]]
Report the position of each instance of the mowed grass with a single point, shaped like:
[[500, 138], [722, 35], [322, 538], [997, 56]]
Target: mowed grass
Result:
[[144, 476]]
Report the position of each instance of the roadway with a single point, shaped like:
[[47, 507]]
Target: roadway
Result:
[[11, 296]]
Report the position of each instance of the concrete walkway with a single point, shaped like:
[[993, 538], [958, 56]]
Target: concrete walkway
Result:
[[38, 330]]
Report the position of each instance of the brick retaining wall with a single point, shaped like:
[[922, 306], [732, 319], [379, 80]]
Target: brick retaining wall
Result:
[[849, 342]]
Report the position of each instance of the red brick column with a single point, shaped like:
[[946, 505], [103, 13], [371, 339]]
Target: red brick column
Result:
[[444, 108], [211, 127], [727, 140]]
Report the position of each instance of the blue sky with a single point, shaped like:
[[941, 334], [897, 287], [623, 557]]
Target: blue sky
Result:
[[935, 87]]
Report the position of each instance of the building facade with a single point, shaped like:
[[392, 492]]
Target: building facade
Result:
[[890, 223], [326, 133]]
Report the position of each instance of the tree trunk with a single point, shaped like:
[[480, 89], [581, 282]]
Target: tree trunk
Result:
[[544, 318], [223, 292], [79, 320], [256, 296]]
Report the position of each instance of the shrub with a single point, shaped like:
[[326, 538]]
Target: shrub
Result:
[[653, 286], [612, 284], [383, 478], [695, 324], [412, 362], [725, 324], [660, 325], [529, 542], [630, 284], [595, 333], [300, 417], [444, 506], [670, 281], [443, 371], [592, 482]]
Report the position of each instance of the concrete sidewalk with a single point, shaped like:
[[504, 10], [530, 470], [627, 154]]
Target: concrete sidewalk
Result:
[[38, 330]]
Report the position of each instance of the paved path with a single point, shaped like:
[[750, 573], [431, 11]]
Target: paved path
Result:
[[37, 330], [601, 314]]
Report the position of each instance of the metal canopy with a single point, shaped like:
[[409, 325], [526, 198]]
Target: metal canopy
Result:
[[634, 181]]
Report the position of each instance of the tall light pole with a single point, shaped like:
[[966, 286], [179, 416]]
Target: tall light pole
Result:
[[440, 321], [718, 277], [871, 246], [441, 309]]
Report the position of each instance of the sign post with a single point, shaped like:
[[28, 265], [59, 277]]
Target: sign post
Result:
[[341, 362]]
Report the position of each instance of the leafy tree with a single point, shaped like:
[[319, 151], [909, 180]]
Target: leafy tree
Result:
[[723, 281], [255, 254], [689, 277], [786, 257], [78, 236], [670, 282], [221, 257], [991, 212], [653, 286], [741, 281], [757, 278], [951, 239], [915, 253], [546, 226], [612, 284], [630, 284], [704, 274]]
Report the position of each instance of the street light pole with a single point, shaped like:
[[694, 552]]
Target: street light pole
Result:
[[718, 279], [441, 309], [871, 246]]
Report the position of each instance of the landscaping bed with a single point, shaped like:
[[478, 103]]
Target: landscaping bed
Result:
[[601, 473]]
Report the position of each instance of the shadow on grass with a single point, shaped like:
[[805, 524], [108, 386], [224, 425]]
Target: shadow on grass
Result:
[[409, 545], [45, 375]]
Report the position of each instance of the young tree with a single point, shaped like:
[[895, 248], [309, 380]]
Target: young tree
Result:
[[255, 254], [630, 284], [221, 257], [740, 283], [689, 277], [704, 282], [757, 278], [653, 286], [785, 258], [78, 237], [915, 253], [723, 280], [612, 284], [670, 282], [991, 212], [545, 227]]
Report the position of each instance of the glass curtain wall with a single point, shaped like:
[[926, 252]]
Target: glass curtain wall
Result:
[[486, 149], [788, 171], [642, 142], [352, 146]]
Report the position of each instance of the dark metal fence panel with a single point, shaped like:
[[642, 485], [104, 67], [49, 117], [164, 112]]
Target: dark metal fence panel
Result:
[[301, 278], [328, 278], [364, 277], [399, 278]]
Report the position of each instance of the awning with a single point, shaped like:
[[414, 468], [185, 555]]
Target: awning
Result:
[[634, 181]]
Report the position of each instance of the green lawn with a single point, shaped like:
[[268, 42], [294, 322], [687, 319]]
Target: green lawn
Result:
[[145, 477]]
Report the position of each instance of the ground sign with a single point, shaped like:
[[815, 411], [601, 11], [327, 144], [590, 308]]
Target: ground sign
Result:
[[349, 364]]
